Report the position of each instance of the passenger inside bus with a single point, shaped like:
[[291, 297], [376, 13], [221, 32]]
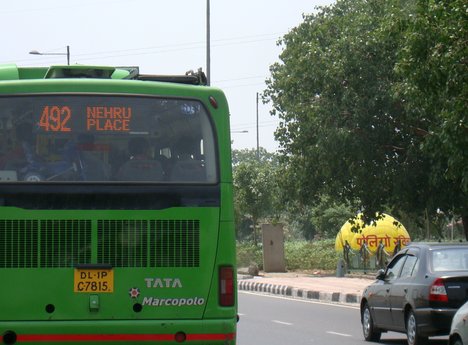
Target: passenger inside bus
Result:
[[92, 167], [140, 166], [15, 159], [187, 166]]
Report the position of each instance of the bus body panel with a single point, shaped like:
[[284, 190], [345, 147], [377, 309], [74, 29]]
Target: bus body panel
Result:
[[134, 332], [164, 289]]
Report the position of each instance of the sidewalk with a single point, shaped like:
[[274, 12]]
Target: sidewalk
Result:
[[347, 289]]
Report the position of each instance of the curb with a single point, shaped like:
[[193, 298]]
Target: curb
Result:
[[289, 291]]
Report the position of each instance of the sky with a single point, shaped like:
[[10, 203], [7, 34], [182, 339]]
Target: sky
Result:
[[164, 37]]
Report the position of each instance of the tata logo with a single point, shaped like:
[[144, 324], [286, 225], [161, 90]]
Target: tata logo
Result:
[[163, 282]]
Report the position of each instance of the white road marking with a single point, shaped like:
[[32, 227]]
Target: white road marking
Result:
[[340, 334], [282, 322], [333, 304]]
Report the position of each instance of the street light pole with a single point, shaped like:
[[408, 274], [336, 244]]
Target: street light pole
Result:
[[35, 52], [258, 141], [240, 131]]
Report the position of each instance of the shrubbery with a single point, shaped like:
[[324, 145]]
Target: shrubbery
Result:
[[309, 255], [248, 253], [299, 255]]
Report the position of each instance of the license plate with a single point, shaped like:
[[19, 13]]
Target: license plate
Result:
[[94, 280]]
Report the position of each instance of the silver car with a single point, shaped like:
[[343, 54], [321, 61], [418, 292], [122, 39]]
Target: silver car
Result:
[[459, 329]]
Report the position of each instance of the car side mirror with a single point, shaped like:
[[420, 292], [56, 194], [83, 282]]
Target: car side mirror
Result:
[[380, 274]]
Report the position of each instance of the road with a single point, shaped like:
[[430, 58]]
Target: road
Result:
[[272, 320]]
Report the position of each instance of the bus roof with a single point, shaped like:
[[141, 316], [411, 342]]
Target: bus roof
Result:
[[13, 72]]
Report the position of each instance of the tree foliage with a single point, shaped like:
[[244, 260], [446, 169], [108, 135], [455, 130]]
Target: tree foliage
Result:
[[371, 106], [433, 82], [255, 188], [330, 215]]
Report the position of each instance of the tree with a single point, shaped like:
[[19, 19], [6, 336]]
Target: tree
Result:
[[329, 216], [432, 65], [344, 131], [254, 187]]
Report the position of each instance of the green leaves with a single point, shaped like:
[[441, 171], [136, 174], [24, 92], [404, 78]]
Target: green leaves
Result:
[[372, 98], [255, 186], [434, 75]]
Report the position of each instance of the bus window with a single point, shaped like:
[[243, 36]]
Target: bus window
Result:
[[77, 138]]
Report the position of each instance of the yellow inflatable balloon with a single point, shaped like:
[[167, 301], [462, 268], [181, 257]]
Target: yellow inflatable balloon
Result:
[[386, 230]]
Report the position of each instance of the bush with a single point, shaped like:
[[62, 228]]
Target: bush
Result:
[[299, 255], [308, 255], [248, 253]]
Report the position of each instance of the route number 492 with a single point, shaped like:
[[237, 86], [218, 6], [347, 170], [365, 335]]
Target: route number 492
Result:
[[55, 118]]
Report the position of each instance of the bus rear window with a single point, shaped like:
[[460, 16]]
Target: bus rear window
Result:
[[88, 138]]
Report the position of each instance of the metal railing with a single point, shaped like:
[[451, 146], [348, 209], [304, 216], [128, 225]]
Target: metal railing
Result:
[[364, 259]]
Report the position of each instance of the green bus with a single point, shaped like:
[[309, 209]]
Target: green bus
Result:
[[116, 208]]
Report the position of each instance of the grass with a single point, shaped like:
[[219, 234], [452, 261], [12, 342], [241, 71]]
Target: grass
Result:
[[299, 255]]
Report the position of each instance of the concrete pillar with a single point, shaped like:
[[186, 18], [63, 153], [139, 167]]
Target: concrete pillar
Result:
[[273, 248]]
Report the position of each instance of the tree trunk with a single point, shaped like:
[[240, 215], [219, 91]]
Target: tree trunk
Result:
[[428, 226], [465, 225], [254, 229]]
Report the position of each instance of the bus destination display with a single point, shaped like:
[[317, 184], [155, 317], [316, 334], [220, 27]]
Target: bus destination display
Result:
[[62, 118]]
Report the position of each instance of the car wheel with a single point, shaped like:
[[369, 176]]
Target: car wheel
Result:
[[412, 333], [370, 332], [33, 177], [457, 342]]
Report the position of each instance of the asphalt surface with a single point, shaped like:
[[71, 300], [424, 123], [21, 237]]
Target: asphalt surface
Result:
[[345, 290]]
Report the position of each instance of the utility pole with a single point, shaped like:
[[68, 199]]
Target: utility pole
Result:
[[258, 146], [208, 50]]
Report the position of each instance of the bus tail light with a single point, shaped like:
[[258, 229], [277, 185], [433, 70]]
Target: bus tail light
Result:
[[437, 292], [226, 286]]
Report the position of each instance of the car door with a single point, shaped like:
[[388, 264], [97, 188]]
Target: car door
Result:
[[402, 287], [380, 299]]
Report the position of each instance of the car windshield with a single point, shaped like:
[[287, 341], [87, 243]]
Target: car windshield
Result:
[[451, 259], [105, 138]]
